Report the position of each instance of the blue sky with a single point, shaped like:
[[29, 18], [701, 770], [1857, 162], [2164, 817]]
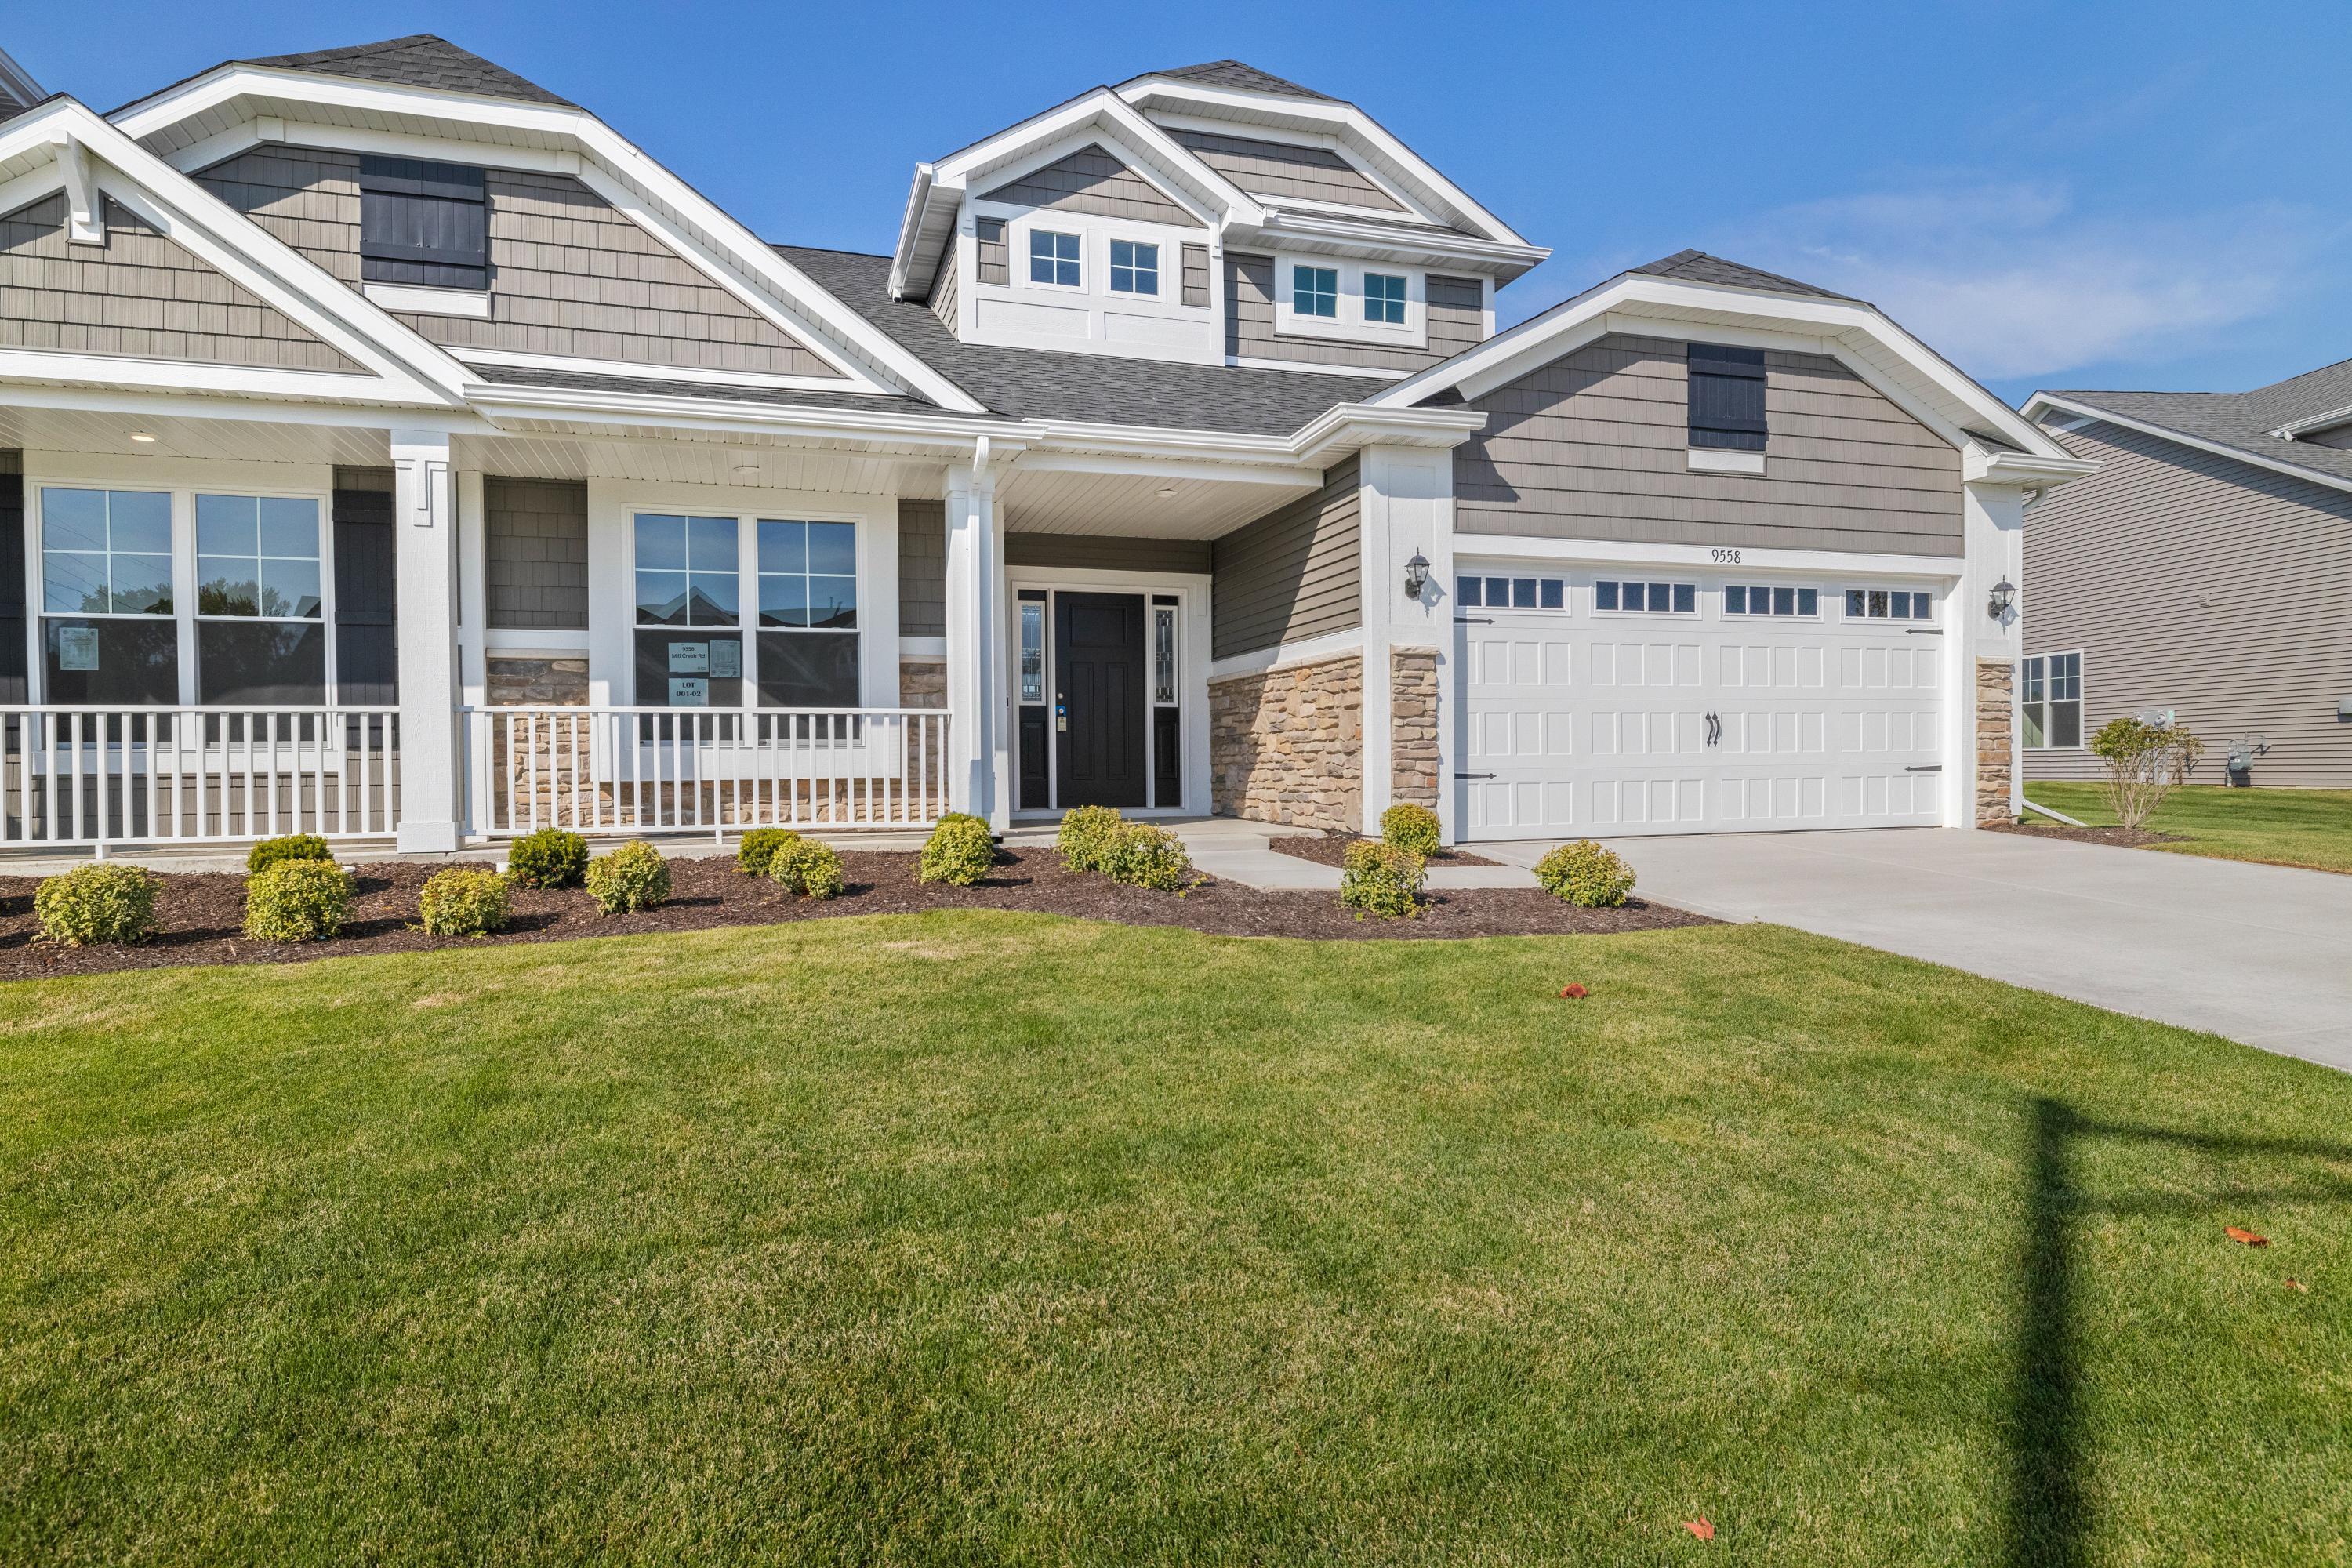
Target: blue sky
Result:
[[2116, 195]]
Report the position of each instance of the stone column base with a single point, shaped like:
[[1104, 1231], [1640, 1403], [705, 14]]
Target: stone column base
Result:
[[1288, 745], [1412, 727], [1996, 742]]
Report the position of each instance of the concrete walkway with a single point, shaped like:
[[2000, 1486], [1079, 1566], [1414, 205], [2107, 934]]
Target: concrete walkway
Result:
[[2259, 953], [1236, 851]]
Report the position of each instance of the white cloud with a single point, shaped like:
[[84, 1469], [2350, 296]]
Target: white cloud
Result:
[[2012, 280]]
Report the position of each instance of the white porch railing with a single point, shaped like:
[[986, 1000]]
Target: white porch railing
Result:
[[89, 777], [642, 770]]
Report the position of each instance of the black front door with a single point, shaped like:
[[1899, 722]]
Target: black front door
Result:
[[1098, 691]]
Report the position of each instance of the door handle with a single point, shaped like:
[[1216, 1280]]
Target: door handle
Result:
[[1714, 727]]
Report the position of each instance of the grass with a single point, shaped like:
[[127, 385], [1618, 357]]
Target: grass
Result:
[[987, 1239], [2284, 826]]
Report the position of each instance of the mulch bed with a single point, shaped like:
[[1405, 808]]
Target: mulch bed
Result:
[[1331, 849], [2127, 837], [203, 913]]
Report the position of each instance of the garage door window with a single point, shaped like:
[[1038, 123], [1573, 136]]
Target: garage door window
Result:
[[1888, 604], [2051, 702], [1515, 592], [1761, 601], [1646, 598]]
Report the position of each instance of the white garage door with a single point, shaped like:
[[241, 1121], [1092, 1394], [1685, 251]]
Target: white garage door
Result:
[[1588, 711]]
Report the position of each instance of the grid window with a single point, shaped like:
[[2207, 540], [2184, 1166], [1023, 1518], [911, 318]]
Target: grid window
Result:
[[2050, 701], [1884, 604], [1134, 268], [107, 632], [1384, 298], [1315, 291], [687, 572], [808, 576], [1053, 259], [1513, 592], [260, 628], [1646, 598], [1756, 600]]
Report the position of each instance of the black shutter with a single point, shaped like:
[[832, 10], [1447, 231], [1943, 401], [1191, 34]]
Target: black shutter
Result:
[[424, 222], [14, 685], [367, 639], [1727, 397]]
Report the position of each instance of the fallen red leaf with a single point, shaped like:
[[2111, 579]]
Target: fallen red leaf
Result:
[[2247, 1237], [1700, 1527], [1574, 992], [2298, 1285]]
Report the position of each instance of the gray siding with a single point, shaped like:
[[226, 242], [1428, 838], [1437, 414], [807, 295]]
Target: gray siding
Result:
[[1280, 169], [1196, 275], [1457, 321], [1596, 446], [535, 541], [1294, 573], [1091, 180], [943, 289], [922, 569], [2193, 582], [1105, 553], [990, 264], [140, 293], [570, 275]]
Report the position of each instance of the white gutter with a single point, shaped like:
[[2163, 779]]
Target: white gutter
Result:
[[1515, 259]]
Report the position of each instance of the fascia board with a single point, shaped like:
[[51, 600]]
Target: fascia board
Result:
[[499, 402], [599, 141], [983, 161], [1983, 466], [1284, 223], [1351, 425], [910, 228], [1401, 162], [250, 409], [1112, 138], [2043, 400]]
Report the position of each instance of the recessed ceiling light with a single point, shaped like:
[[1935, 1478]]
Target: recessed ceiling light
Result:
[[143, 438]]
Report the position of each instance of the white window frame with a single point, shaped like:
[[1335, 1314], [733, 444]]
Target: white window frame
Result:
[[184, 568], [1934, 618], [747, 587], [1158, 268], [2081, 700], [1567, 595], [1027, 275], [1745, 617], [1364, 297], [1621, 578], [1351, 325]]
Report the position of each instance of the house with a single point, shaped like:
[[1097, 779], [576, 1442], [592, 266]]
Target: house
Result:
[[389, 445], [2204, 572]]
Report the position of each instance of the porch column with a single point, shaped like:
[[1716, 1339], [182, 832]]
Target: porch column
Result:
[[1984, 778], [1406, 508], [975, 655], [425, 570]]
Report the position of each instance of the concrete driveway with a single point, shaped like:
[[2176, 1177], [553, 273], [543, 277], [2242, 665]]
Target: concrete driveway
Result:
[[2260, 954]]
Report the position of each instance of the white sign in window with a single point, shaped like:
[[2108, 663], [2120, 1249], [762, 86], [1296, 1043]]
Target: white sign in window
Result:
[[689, 658], [77, 647], [688, 691]]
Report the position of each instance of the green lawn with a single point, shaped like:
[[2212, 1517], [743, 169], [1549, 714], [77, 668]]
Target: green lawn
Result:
[[2288, 827], [985, 1238]]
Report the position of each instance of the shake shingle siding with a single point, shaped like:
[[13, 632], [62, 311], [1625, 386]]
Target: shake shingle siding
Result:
[[2193, 582], [570, 275], [943, 289], [1196, 275], [1596, 446], [1091, 180], [1294, 574], [922, 569], [535, 548], [1281, 169], [1457, 321], [139, 294]]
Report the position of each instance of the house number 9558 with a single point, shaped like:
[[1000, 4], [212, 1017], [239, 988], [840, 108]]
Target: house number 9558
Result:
[[1725, 557]]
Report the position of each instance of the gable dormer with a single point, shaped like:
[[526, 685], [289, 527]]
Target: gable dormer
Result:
[[1213, 213]]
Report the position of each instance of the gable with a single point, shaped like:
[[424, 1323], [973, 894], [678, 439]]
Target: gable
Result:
[[140, 294], [570, 275], [1284, 169], [1093, 180]]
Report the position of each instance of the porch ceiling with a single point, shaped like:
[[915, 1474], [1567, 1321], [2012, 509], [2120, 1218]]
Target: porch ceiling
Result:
[[105, 433], [1152, 506]]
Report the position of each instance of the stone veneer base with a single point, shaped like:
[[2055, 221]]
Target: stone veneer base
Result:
[[1996, 738], [1286, 745]]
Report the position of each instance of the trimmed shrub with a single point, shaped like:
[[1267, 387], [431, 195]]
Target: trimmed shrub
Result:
[[1381, 880], [811, 870], [1086, 832], [2145, 763], [297, 900], [634, 876], [960, 850], [1144, 856], [291, 846], [550, 857], [97, 904], [464, 900], [1586, 875], [1411, 828], [757, 853]]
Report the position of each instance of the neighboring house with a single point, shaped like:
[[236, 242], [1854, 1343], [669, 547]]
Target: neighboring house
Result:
[[2205, 572], [390, 442]]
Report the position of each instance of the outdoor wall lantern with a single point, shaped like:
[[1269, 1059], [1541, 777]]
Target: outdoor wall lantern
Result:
[[1416, 575], [2004, 594]]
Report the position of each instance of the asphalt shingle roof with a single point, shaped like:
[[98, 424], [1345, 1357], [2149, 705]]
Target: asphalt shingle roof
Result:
[[1039, 383], [1239, 74], [421, 59], [1699, 267], [2244, 420]]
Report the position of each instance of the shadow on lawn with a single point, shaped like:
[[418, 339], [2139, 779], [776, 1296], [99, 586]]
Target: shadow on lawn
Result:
[[2049, 1523]]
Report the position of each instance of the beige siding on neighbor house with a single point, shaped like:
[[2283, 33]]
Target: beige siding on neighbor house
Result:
[[535, 549], [140, 294], [1091, 180], [1457, 321], [1282, 169], [2211, 587], [922, 569], [1294, 574], [1596, 446], [570, 275], [1105, 553]]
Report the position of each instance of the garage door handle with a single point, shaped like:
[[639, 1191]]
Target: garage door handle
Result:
[[1474, 620], [1925, 631], [1925, 768], [1713, 729], [1474, 775]]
